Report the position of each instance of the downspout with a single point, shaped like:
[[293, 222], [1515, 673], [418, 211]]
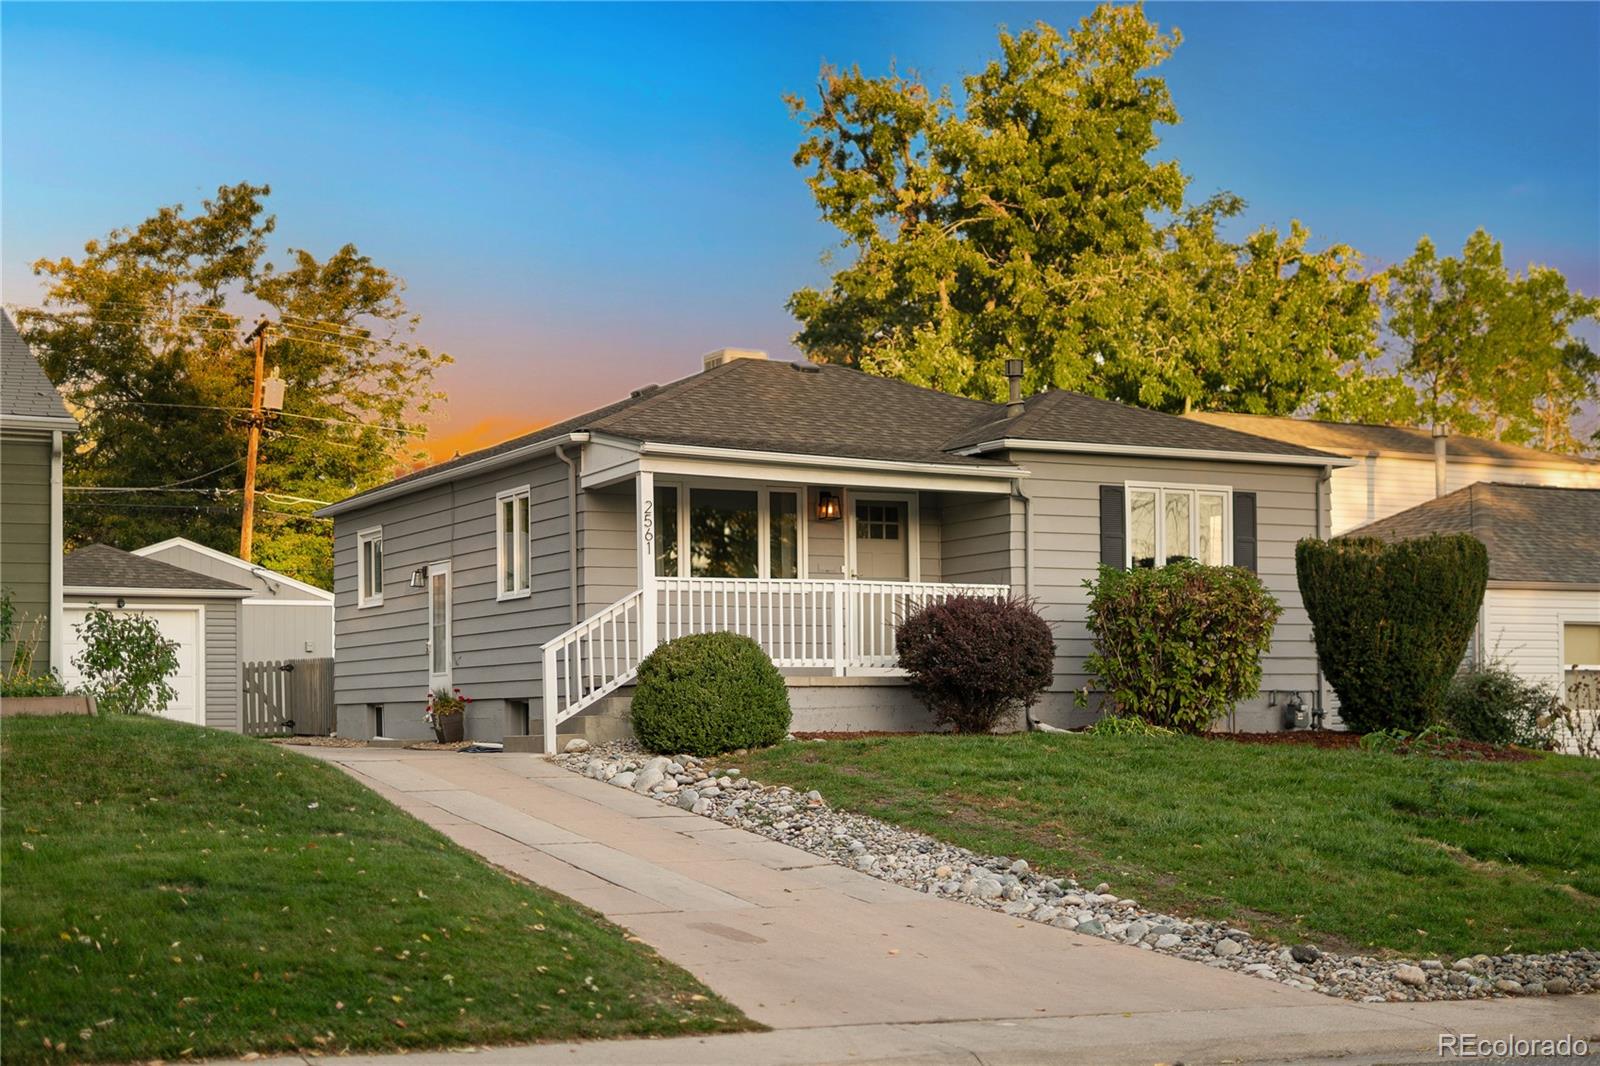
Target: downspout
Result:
[[572, 530], [1029, 725], [1318, 714]]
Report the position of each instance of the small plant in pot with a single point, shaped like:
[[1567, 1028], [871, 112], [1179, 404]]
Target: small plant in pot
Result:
[[447, 715]]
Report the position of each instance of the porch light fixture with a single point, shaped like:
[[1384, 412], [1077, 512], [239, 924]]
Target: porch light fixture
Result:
[[419, 578], [828, 507]]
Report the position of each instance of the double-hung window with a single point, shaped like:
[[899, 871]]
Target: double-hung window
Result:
[[369, 567], [1171, 522], [706, 531], [511, 540]]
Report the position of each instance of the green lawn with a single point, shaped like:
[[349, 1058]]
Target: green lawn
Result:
[[1351, 849], [171, 891]]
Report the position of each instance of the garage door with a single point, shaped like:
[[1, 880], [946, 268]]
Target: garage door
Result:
[[180, 624]]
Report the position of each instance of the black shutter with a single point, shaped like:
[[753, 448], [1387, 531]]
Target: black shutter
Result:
[[1113, 527], [1244, 530]]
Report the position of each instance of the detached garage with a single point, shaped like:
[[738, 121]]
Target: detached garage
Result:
[[197, 611]]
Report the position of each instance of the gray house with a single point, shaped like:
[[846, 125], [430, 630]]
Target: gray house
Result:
[[804, 506], [33, 424]]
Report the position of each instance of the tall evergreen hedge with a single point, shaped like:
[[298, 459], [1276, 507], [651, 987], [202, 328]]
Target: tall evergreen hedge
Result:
[[1392, 621]]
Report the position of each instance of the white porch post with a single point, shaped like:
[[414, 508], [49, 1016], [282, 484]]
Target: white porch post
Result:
[[645, 508], [841, 619], [548, 709]]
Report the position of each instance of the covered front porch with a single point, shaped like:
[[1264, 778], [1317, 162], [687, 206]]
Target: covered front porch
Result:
[[815, 560]]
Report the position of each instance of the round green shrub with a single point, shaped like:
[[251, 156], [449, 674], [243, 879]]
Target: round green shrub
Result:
[[1492, 704], [1391, 622], [709, 693]]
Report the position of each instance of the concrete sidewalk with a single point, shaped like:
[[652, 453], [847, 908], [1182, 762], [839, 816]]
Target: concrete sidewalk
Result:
[[849, 968]]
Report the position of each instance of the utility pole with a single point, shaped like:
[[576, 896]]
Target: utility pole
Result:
[[247, 526]]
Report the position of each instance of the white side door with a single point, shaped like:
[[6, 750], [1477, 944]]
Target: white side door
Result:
[[183, 625], [439, 612]]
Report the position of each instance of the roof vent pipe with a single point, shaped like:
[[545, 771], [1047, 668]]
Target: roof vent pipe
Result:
[[1439, 433], [1014, 405]]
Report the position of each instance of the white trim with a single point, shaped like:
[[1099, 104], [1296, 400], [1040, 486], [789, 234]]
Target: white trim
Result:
[[1161, 488], [808, 475], [1011, 444], [82, 591], [363, 536], [422, 481], [831, 462], [442, 567], [55, 423], [686, 486], [57, 624], [253, 570], [268, 601], [913, 502], [1563, 620], [522, 583]]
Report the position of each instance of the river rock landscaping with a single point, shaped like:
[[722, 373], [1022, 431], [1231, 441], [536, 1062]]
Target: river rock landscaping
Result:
[[921, 863]]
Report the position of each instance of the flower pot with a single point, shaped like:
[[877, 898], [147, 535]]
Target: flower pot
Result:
[[450, 728]]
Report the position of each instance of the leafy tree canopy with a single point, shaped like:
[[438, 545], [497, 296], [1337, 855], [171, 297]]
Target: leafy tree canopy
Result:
[[143, 333], [1032, 220]]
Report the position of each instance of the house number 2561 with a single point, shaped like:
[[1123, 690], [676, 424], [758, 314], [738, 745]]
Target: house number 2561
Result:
[[649, 524]]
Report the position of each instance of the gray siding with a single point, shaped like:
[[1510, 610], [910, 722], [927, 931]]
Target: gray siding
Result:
[[1065, 494], [222, 664], [608, 547], [382, 654], [824, 540], [200, 563], [25, 543], [282, 630], [981, 540]]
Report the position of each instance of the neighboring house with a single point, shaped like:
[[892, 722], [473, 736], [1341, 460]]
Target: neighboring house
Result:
[[281, 619], [197, 611], [807, 507], [1396, 467], [33, 425], [1541, 612]]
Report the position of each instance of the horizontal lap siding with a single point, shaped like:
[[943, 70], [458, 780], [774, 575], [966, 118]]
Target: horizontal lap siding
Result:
[[382, 651], [1066, 545], [608, 562], [25, 543], [1379, 486], [981, 540], [223, 690], [1522, 628], [281, 630]]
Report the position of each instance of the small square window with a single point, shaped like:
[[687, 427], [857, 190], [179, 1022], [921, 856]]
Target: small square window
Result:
[[369, 567]]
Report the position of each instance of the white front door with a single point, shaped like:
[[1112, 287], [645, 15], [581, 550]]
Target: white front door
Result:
[[439, 652], [882, 537], [181, 625]]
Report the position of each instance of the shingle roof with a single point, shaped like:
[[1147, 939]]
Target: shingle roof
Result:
[[101, 566], [1075, 418], [1534, 533], [1356, 439], [24, 390], [835, 411]]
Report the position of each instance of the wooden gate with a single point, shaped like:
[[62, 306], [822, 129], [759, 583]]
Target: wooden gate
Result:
[[288, 696]]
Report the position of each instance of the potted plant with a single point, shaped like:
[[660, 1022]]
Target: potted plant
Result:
[[447, 715]]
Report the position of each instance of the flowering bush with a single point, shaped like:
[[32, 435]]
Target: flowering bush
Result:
[[973, 660], [442, 704], [1178, 645]]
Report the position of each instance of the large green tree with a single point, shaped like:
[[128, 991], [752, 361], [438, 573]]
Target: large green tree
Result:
[[1032, 220], [143, 332], [1484, 351]]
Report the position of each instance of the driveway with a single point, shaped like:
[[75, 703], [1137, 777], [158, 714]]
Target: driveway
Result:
[[850, 968]]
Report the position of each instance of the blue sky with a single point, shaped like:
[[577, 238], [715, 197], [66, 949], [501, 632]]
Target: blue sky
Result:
[[585, 198]]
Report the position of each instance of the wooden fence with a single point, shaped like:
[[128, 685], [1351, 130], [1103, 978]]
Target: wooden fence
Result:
[[288, 696]]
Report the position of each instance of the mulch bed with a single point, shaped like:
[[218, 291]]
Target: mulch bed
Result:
[[1328, 738]]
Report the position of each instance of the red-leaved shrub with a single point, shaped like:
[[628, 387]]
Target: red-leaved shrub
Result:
[[974, 660]]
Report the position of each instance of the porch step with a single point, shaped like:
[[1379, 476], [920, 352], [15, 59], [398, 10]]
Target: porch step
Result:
[[606, 721]]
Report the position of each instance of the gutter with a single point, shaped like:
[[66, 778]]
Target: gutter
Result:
[[1010, 444], [64, 423], [572, 531], [158, 594], [443, 475]]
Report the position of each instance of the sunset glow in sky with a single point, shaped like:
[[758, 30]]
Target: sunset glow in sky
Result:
[[584, 199]]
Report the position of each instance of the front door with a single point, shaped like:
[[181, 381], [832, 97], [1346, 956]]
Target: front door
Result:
[[882, 540], [439, 627]]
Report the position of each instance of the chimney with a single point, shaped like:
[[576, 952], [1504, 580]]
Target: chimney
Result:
[[728, 355], [1014, 405], [1439, 433]]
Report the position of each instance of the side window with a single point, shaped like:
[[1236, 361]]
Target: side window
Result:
[[511, 539], [369, 567], [1171, 522]]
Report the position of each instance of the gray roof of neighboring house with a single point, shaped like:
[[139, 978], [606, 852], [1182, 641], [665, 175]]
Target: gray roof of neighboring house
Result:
[[1356, 439], [1074, 418], [101, 566], [1535, 534], [25, 391], [838, 412]]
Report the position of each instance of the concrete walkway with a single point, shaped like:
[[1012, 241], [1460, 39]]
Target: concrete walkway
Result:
[[850, 968]]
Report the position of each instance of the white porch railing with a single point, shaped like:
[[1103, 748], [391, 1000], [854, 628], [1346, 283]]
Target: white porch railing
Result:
[[847, 627]]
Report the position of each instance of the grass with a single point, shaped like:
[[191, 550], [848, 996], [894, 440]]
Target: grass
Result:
[[171, 892], [1351, 849]]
